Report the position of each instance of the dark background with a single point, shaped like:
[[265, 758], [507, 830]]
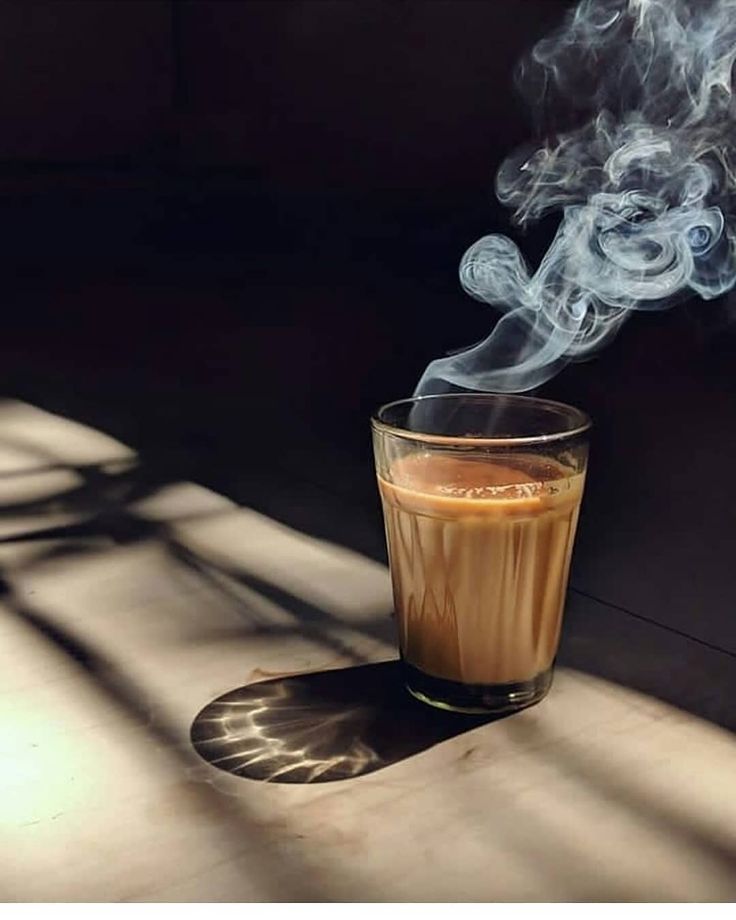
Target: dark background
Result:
[[231, 229]]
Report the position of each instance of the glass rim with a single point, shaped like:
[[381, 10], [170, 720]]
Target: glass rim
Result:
[[584, 422]]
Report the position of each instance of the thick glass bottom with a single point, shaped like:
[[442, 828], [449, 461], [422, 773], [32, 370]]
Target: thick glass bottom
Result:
[[476, 699]]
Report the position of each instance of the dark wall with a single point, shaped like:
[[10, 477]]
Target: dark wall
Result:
[[319, 94], [225, 217], [83, 82], [333, 95], [313, 168]]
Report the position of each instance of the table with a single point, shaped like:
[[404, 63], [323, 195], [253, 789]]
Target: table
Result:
[[131, 603]]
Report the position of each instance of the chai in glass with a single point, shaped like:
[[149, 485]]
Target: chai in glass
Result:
[[479, 547]]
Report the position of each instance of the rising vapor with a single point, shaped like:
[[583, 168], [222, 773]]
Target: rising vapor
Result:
[[644, 185]]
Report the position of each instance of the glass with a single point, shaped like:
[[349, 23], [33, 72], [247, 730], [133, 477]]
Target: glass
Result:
[[480, 495]]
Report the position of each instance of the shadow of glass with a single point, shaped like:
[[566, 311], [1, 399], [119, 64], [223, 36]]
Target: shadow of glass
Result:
[[321, 727]]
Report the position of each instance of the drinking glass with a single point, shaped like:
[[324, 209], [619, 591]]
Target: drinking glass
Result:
[[481, 495]]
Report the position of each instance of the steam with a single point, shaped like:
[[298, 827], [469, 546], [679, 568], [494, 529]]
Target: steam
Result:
[[644, 185]]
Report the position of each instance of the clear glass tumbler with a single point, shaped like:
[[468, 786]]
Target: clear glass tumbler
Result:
[[480, 494]]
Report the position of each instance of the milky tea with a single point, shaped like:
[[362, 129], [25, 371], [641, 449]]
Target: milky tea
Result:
[[479, 550]]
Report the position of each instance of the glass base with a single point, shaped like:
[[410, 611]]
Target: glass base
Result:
[[476, 699]]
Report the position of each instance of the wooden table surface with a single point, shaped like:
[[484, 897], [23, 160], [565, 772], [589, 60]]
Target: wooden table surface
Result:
[[131, 604]]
